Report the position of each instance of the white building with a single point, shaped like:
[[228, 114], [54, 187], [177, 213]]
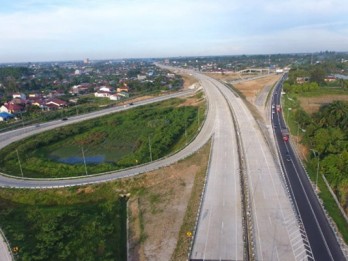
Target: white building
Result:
[[19, 95], [102, 94], [115, 97]]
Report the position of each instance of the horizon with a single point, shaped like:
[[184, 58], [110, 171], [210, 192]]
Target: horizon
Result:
[[172, 57], [61, 30]]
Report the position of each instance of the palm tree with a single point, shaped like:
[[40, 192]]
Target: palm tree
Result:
[[339, 110]]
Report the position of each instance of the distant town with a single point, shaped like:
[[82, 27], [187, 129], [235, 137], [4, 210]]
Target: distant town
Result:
[[34, 92]]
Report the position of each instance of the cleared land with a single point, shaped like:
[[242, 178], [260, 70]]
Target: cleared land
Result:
[[253, 88], [312, 104], [162, 214]]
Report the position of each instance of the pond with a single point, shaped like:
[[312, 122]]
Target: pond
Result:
[[96, 159]]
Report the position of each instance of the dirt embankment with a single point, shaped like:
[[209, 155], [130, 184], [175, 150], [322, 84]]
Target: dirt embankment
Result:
[[253, 88], [156, 215]]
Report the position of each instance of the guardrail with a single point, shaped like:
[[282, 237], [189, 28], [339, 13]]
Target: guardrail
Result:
[[201, 201], [331, 222], [7, 243], [249, 244]]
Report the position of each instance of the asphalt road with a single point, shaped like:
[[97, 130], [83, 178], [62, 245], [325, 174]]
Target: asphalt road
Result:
[[6, 138], [322, 239], [277, 235]]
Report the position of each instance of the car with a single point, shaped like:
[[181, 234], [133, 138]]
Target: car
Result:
[[131, 103], [65, 119], [287, 156], [275, 126]]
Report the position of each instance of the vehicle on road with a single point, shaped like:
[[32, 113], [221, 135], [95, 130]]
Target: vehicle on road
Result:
[[65, 119], [285, 134], [278, 108]]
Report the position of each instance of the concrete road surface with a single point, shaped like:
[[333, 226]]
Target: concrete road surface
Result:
[[4, 252], [276, 232], [219, 235]]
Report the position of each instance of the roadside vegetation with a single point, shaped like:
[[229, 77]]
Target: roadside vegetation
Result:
[[89, 222], [322, 138], [66, 224], [120, 140]]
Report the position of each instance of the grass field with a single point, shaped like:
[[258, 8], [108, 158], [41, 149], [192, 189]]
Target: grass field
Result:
[[64, 225], [119, 140], [88, 223]]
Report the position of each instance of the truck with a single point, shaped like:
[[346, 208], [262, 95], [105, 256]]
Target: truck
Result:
[[278, 108], [285, 134]]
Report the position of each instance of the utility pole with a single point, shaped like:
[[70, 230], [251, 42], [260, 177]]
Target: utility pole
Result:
[[198, 118], [84, 160], [316, 154], [150, 149], [19, 162]]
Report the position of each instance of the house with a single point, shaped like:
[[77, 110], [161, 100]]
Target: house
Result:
[[56, 103], [302, 80], [115, 97], [81, 88], [141, 77], [4, 116], [34, 95], [19, 95], [330, 78], [102, 94], [56, 93], [19, 101], [123, 88], [106, 89], [11, 107], [124, 94]]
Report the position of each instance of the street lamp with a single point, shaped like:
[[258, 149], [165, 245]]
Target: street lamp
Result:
[[316, 154], [289, 109], [150, 149], [19, 162], [298, 130]]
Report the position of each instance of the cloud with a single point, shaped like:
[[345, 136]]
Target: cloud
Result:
[[43, 29]]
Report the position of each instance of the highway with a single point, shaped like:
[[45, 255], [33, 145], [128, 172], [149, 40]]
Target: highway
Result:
[[240, 155], [219, 235], [321, 237], [275, 234]]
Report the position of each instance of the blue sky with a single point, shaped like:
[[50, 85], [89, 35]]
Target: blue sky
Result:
[[46, 30]]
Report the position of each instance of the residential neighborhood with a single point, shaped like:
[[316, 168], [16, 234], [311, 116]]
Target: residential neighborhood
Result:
[[31, 89]]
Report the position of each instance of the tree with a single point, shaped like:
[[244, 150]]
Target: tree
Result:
[[317, 75]]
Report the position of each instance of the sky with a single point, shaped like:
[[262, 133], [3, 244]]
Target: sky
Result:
[[55, 30]]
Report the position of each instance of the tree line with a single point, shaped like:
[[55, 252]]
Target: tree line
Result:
[[327, 137]]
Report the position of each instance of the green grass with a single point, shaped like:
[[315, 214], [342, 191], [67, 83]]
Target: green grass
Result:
[[325, 91], [124, 139], [329, 203], [62, 225]]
